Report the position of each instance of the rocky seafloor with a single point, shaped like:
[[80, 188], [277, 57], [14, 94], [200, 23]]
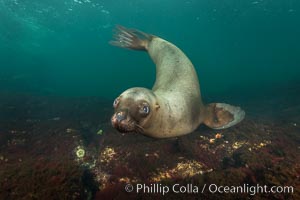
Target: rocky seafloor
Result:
[[65, 148]]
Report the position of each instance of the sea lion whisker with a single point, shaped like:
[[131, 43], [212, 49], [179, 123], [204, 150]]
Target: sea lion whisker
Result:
[[139, 128]]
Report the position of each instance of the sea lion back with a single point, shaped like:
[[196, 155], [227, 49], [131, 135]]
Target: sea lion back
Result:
[[173, 68]]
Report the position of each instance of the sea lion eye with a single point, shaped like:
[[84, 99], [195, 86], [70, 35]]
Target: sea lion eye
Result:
[[116, 102], [145, 110]]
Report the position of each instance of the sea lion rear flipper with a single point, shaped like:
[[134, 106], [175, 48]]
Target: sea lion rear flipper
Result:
[[130, 38], [221, 115]]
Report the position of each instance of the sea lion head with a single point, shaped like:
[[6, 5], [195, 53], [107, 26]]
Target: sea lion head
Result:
[[134, 109]]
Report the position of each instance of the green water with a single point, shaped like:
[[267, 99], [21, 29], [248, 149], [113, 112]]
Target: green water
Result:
[[61, 47]]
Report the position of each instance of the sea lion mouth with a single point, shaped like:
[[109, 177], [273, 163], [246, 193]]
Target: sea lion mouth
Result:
[[126, 125]]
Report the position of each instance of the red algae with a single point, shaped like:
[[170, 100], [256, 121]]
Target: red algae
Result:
[[38, 157]]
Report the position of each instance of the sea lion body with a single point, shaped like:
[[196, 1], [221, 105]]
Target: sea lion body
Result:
[[174, 106], [177, 90]]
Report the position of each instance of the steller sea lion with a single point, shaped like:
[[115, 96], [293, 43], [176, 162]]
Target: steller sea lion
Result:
[[173, 107]]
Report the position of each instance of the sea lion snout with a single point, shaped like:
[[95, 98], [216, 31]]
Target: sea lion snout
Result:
[[123, 122], [118, 117]]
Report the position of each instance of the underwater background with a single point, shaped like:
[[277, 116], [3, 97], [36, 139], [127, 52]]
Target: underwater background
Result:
[[61, 47], [59, 76]]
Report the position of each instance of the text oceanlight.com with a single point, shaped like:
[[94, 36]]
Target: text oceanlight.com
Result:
[[157, 188]]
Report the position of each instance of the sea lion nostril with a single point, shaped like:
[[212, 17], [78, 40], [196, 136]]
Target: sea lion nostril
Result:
[[120, 116]]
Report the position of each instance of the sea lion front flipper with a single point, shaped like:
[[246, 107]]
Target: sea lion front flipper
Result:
[[130, 38], [221, 115]]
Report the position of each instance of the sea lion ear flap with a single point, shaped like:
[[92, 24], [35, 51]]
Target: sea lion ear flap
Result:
[[221, 115], [157, 106]]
